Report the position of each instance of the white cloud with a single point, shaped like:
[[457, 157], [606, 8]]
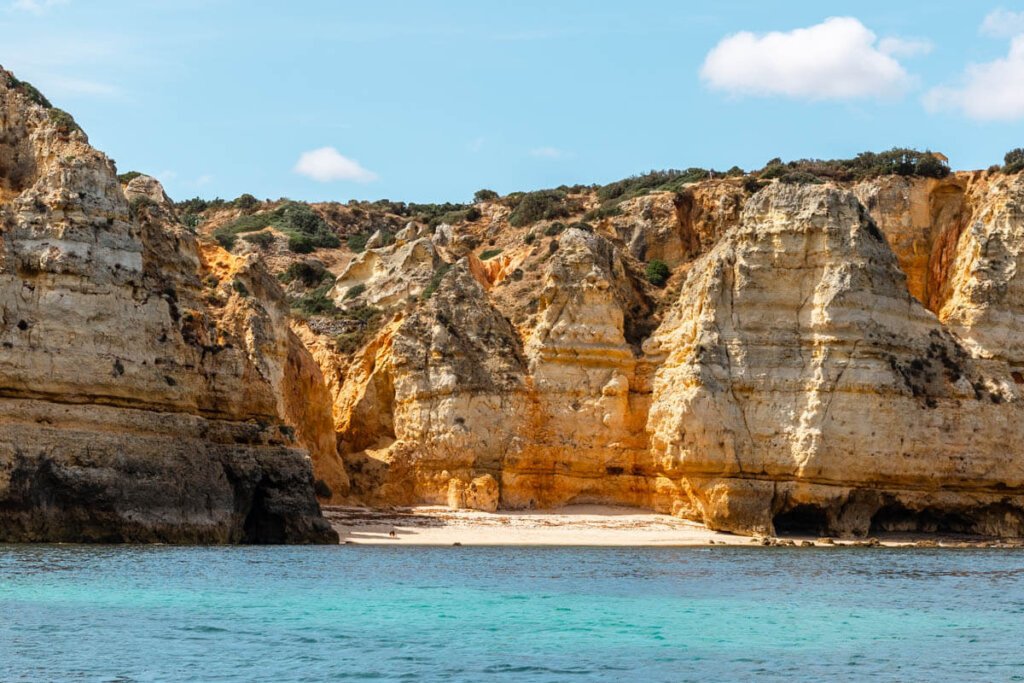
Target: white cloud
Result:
[[992, 91], [327, 164], [1001, 23], [837, 59], [547, 153], [904, 47]]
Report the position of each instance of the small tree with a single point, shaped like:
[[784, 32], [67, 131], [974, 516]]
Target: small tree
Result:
[[1014, 161], [484, 195], [657, 272]]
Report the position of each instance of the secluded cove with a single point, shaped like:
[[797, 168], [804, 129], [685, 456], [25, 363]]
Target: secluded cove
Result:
[[135, 613]]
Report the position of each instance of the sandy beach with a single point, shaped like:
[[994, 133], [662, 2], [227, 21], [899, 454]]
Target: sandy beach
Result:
[[578, 525]]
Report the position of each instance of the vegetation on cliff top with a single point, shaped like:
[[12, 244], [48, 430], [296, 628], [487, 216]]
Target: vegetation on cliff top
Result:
[[305, 228]]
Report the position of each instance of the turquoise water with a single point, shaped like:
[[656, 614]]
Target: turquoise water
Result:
[[77, 613]]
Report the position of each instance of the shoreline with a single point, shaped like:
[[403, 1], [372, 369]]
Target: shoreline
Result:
[[587, 525]]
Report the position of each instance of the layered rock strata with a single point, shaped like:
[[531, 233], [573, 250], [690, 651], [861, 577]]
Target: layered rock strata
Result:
[[148, 384]]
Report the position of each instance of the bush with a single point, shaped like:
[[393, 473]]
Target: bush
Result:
[[800, 178], [31, 92], [316, 302], [473, 214], [305, 229], [654, 181], [301, 244], [198, 205], [64, 122], [246, 203], [308, 273], [260, 239], [537, 206], [489, 254], [1014, 161], [554, 229], [657, 272], [752, 184], [484, 196], [357, 243], [866, 165], [530, 237], [125, 178], [353, 292], [226, 240]]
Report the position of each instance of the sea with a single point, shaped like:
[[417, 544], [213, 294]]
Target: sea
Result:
[[371, 613]]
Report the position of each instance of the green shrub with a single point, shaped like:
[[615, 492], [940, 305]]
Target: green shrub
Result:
[[537, 206], [657, 272], [246, 202], [583, 225], [654, 181], [64, 122], [125, 178], [473, 214], [866, 165], [226, 240], [484, 196], [554, 229], [309, 273], [357, 243], [305, 229], [800, 178], [316, 302], [752, 184], [301, 244], [198, 205], [353, 292], [31, 92], [530, 237], [191, 220], [1014, 161], [489, 254], [260, 239]]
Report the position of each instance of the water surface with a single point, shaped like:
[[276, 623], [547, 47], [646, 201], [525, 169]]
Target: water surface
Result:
[[86, 613]]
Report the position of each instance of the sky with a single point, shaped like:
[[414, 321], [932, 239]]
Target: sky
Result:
[[431, 101]]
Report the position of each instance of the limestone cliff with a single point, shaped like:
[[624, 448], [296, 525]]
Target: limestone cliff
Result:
[[759, 352], [147, 381]]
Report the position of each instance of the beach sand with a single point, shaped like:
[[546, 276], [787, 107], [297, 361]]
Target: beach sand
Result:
[[577, 525]]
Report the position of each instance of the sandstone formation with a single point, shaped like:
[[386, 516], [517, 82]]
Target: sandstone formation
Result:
[[150, 389], [824, 357]]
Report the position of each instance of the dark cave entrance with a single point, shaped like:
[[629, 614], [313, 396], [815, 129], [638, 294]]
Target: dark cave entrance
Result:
[[802, 520], [895, 517]]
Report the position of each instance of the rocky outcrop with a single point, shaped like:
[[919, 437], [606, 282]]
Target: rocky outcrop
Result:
[[822, 358], [797, 382], [145, 378], [804, 386]]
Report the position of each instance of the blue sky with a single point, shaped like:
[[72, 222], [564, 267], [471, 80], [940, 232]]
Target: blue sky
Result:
[[430, 101]]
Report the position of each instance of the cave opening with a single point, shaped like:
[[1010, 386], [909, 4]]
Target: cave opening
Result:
[[802, 520], [896, 517]]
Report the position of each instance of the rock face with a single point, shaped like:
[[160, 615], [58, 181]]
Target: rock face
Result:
[[803, 386], [797, 381], [824, 358], [146, 380]]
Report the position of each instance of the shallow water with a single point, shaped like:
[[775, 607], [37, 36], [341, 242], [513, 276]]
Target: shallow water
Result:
[[86, 613]]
